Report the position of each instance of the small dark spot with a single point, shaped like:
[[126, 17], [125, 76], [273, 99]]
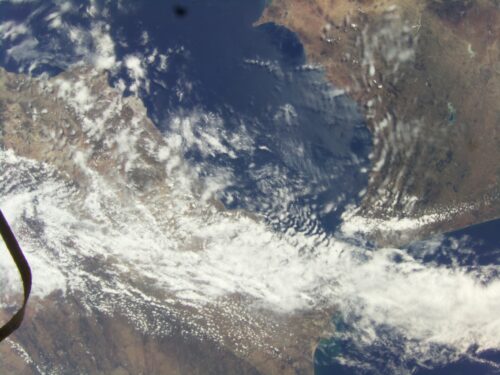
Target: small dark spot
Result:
[[397, 258], [180, 11]]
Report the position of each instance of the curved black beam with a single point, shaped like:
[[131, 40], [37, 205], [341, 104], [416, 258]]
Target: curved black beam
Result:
[[24, 270]]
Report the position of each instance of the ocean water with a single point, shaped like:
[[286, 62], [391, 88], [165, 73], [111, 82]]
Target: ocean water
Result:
[[470, 248], [280, 140], [309, 141]]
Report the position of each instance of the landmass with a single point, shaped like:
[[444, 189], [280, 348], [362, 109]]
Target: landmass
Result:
[[75, 131], [427, 75]]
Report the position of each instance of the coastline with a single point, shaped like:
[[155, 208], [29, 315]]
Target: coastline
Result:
[[393, 62]]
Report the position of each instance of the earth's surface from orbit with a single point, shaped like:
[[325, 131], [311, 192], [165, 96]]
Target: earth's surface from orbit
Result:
[[250, 187]]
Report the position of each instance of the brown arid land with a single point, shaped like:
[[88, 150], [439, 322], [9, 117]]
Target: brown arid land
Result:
[[61, 335], [50, 124], [427, 73]]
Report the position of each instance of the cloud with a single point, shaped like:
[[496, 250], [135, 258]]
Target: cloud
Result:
[[200, 255]]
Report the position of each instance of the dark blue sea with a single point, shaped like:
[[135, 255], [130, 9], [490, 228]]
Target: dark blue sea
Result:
[[311, 145], [246, 75]]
